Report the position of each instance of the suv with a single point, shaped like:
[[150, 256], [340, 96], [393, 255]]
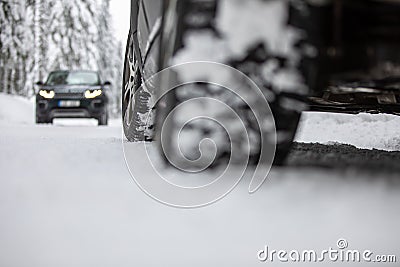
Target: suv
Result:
[[322, 55], [72, 94]]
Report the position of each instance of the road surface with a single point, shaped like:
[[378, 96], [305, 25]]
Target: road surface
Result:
[[67, 199]]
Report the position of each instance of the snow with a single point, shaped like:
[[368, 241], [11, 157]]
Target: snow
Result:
[[379, 131], [16, 110], [120, 11], [67, 199]]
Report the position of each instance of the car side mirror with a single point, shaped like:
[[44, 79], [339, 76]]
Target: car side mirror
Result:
[[107, 83], [40, 83]]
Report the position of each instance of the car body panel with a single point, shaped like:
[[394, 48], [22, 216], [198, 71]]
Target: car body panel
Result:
[[149, 21], [351, 36]]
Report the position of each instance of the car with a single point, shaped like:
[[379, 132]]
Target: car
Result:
[[72, 94], [305, 55]]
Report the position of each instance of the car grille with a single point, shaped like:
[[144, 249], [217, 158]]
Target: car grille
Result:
[[70, 113], [68, 95]]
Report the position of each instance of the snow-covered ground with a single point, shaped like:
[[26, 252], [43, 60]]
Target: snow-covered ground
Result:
[[379, 131], [16, 110], [67, 199]]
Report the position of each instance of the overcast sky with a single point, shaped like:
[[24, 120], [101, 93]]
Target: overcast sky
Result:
[[120, 10]]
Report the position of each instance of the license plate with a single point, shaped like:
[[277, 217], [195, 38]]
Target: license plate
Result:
[[69, 103], [387, 99]]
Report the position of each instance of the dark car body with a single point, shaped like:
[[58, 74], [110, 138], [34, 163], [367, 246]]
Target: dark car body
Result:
[[63, 100], [357, 67], [358, 41], [349, 63]]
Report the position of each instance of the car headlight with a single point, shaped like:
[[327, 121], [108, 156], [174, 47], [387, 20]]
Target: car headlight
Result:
[[93, 94], [47, 94]]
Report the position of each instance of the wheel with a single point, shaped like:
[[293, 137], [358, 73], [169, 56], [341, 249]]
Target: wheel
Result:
[[134, 98], [39, 120], [43, 121], [103, 119], [271, 58]]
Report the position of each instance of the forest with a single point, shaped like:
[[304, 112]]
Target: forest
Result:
[[39, 36]]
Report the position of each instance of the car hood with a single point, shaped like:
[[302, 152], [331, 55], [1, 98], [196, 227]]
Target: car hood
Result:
[[71, 88]]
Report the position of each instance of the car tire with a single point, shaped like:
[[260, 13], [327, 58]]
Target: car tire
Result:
[[39, 120], [43, 121], [286, 107], [103, 119], [134, 99]]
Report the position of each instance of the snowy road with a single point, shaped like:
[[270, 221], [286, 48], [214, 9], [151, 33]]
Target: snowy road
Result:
[[67, 199]]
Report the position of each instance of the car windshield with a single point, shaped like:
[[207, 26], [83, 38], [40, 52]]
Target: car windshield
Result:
[[73, 78]]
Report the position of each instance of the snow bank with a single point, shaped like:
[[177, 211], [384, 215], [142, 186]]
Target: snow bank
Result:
[[16, 110], [379, 131]]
